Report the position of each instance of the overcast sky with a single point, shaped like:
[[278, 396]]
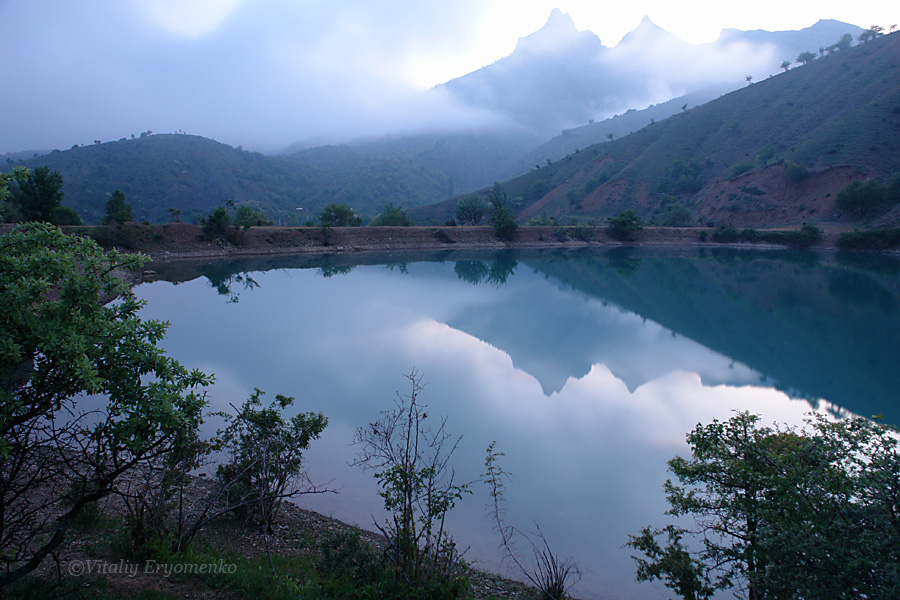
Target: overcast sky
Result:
[[266, 73]]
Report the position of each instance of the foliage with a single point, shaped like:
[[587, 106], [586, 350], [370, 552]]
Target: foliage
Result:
[[741, 168], [246, 216], [392, 216], [59, 342], [65, 215], [806, 236], [471, 209], [624, 226], [671, 213], [117, 209], [875, 239], [552, 575], [806, 57], [682, 177], [411, 462], [37, 194], [795, 172], [339, 215], [780, 512], [265, 455], [218, 226], [502, 219], [869, 197]]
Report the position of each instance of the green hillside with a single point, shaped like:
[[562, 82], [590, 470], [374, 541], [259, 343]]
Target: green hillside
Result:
[[194, 174], [841, 111]]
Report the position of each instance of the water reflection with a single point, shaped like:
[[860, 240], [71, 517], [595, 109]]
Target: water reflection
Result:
[[587, 368]]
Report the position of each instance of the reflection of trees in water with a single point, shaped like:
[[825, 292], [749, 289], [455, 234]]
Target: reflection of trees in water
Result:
[[229, 283], [495, 273], [402, 267], [335, 270], [623, 262]]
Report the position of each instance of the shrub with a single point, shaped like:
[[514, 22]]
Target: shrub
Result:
[[875, 239], [392, 216], [624, 225], [740, 168]]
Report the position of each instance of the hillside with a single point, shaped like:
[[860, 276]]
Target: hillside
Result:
[[773, 152]]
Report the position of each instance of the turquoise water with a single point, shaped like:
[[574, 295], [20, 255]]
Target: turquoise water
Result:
[[587, 368]]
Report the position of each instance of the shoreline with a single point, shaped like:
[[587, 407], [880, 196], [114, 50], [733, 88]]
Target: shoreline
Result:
[[180, 241]]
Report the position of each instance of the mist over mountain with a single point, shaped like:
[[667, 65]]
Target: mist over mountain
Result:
[[559, 77], [546, 100]]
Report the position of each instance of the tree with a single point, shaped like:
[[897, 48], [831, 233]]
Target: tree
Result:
[[339, 215], [624, 225], [58, 450], [117, 209], [246, 217], [38, 194], [502, 219], [411, 462], [842, 44], [806, 57], [392, 216], [749, 79], [471, 210], [786, 65], [175, 213], [870, 34], [781, 513], [65, 215]]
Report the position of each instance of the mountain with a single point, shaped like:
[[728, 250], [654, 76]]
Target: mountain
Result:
[[559, 77], [773, 152]]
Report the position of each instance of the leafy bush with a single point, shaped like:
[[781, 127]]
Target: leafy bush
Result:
[[795, 172], [471, 210], [725, 234], [624, 225], [780, 512], [740, 168], [672, 213], [392, 216], [869, 197], [265, 455], [502, 219], [875, 239], [339, 215], [246, 217], [682, 177], [217, 226]]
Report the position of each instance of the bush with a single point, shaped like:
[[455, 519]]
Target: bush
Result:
[[795, 172], [869, 197], [624, 225], [740, 168], [875, 239], [246, 217], [217, 226], [339, 215], [471, 210], [392, 216]]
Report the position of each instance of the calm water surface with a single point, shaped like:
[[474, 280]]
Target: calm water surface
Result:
[[588, 369]]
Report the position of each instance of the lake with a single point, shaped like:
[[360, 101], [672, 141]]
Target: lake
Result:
[[587, 367]]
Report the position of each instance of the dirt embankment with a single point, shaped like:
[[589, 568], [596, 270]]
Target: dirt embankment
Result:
[[179, 240]]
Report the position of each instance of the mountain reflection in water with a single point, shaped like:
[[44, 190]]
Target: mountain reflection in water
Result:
[[588, 368]]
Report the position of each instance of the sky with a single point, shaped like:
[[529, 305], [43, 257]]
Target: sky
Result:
[[267, 73]]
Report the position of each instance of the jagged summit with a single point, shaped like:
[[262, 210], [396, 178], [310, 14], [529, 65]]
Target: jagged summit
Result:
[[649, 34], [557, 34]]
